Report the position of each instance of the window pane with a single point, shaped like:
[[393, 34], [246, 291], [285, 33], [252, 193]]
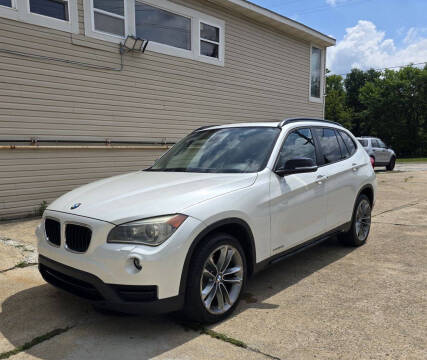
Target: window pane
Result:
[[364, 143], [381, 144], [298, 144], [374, 143], [351, 146], [209, 32], [109, 24], [53, 8], [316, 70], [329, 144], [162, 26], [227, 150], [7, 3], [209, 49], [344, 151], [112, 6]]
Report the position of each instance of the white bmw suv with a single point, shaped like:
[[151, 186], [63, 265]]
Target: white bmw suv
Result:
[[222, 204]]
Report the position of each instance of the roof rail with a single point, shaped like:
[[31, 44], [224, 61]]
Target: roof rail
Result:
[[204, 127], [293, 120]]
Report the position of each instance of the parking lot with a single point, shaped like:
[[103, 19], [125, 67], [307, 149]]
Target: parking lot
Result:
[[330, 302]]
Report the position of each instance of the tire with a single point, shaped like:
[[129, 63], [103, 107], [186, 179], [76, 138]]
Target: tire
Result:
[[203, 275], [360, 223], [391, 164]]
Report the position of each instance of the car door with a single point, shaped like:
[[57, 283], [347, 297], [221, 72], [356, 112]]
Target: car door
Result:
[[385, 153], [339, 167], [377, 151], [297, 203]]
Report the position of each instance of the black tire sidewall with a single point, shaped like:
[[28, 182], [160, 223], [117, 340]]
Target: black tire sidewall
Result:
[[392, 164], [194, 308]]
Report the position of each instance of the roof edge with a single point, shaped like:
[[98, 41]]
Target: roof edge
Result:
[[283, 20]]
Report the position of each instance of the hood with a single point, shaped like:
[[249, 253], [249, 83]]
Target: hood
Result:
[[145, 194]]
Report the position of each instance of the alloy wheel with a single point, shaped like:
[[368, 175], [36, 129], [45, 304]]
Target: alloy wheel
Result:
[[222, 279], [363, 220]]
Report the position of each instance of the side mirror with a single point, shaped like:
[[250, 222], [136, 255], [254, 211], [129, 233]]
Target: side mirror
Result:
[[297, 166]]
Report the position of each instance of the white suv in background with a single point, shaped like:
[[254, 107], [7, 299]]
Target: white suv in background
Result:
[[222, 204], [379, 152]]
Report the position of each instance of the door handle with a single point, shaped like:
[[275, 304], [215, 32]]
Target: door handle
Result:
[[355, 167]]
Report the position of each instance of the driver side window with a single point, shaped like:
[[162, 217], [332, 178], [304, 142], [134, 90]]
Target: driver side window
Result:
[[298, 144]]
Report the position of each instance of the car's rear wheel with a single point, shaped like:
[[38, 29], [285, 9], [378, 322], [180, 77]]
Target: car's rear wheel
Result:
[[391, 164], [217, 277], [361, 223]]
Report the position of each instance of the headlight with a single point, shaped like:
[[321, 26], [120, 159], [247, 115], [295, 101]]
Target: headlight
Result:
[[152, 232]]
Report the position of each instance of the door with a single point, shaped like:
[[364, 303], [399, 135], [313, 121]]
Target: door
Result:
[[385, 153], [340, 167], [297, 203], [379, 153]]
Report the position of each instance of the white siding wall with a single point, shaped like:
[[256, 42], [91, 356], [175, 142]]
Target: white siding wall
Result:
[[155, 97]]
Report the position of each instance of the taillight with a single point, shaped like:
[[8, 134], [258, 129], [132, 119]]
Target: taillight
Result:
[[372, 161]]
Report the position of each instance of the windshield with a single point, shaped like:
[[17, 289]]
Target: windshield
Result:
[[226, 150]]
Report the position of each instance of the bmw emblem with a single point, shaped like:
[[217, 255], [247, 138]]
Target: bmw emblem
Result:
[[75, 206]]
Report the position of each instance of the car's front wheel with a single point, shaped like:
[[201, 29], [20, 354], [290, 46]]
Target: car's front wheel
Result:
[[216, 279], [361, 223]]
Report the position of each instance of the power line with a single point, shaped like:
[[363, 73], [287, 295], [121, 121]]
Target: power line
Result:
[[388, 68]]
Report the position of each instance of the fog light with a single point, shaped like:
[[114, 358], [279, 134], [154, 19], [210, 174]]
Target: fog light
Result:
[[137, 264]]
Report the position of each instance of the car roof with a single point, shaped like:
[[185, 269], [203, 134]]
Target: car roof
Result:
[[275, 124]]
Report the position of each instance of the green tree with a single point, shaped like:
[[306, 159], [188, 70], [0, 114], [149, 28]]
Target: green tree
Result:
[[335, 107]]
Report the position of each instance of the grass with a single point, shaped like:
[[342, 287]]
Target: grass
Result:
[[409, 160]]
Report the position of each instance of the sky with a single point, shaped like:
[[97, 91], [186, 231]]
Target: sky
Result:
[[369, 33]]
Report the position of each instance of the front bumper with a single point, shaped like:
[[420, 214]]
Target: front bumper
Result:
[[123, 298], [162, 266]]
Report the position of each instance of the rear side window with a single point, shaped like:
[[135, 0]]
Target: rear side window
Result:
[[381, 144], [298, 144], [375, 143], [351, 146], [329, 145], [363, 142], [344, 150]]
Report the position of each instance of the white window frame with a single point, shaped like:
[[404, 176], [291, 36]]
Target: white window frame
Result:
[[130, 27], [322, 74], [20, 11], [89, 13], [9, 12], [220, 26]]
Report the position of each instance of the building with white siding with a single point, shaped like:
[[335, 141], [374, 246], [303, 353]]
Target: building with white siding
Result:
[[73, 109]]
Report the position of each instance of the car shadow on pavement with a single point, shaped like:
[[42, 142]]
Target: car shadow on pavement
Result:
[[290, 271], [38, 310]]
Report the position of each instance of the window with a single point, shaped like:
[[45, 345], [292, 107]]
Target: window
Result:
[[109, 16], [298, 144], [381, 144], [209, 40], [56, 9], [162, 26], [316, 74], [363, 142], [55, 14], [226, 150], [344, 150], [172, 29], [351, 146], [375, 143], [329, 144], [7, 3]]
